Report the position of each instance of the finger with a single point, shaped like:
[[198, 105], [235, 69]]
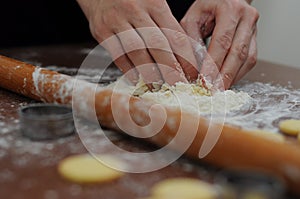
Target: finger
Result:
[[119, 57], [190, 23], [221, 41], [209, 69], [179, 41], [127, 68], [136, 51], [160, 50], [251, 60], [238, 52], [198, 23], [183, 50]]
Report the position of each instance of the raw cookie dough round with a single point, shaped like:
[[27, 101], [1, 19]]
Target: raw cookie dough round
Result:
[[254, 195], [290, 127], [87, 169], [187, 188]]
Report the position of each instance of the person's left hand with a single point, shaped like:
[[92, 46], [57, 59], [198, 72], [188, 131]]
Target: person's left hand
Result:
[[232, 50]]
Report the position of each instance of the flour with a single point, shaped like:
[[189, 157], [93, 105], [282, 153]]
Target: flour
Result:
[[266, 106], [270, 104], [35, 78], [249, 105], [183, 94], [193, 98]]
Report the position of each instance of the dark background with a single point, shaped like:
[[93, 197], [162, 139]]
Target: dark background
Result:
[[42, 22]]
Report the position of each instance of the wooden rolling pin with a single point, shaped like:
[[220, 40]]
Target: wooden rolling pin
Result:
[[235, 148]]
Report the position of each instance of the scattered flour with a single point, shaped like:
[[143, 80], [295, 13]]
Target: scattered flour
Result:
[[249, 105], [269, 105]]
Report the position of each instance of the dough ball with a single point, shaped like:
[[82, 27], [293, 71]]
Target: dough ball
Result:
[[87, 169], [254, 195], [290, 127], [187, 188]]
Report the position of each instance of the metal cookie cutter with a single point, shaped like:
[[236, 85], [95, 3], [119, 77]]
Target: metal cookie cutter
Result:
[[46, 121]]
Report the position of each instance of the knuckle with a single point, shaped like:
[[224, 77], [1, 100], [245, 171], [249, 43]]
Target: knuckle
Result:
[[225, 40], [160, 6], [190, 19], [97, 28], [183, 22], [133, 44], [109, 16], [241, 51], [156, 40], [254, 13], [252, 60], [234, 5], [229, 76], [179, 39], [239, 8], [97, 33], [129, 4]]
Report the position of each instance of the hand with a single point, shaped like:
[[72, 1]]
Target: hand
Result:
[[232, 50], [138, 45]]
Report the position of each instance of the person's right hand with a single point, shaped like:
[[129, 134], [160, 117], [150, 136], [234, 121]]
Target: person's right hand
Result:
[[232, 51], [156, 46]]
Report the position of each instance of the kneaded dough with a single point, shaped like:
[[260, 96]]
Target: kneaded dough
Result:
[[187, 188], [290, 127], [87, 169]]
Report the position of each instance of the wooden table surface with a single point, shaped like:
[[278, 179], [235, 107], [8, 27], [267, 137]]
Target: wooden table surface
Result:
[[28, 169]]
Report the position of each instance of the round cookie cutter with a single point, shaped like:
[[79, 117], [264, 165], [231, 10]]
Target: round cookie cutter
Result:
[[46, 121]]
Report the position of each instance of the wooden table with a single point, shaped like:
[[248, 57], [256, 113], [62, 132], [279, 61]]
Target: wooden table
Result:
[[28, 169]]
